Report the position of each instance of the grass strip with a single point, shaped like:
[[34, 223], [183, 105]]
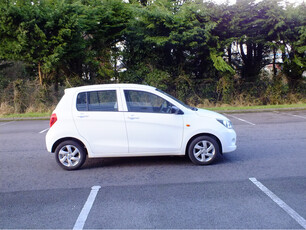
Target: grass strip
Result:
[[26, 115]]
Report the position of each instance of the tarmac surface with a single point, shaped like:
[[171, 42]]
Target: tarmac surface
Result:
[[261, 185]]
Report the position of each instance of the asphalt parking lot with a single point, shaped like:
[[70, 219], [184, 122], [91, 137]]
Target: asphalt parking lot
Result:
[[262, 185]]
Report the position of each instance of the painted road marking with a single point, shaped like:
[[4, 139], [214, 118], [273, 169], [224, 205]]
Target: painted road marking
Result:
[[44, 130], [280, 203], [6, 123], [240, 119], [298, 116], [79, 224], [292, 115]]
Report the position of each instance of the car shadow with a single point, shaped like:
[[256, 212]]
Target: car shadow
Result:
[[237, 157], [152, 161], [136, 161]]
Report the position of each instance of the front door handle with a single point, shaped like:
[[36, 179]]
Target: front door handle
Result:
[[133, 117]]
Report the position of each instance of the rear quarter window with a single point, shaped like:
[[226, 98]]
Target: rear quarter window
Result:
[[82, 102]]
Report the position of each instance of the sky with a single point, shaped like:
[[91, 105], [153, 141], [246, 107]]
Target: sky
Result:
[[233, 1]]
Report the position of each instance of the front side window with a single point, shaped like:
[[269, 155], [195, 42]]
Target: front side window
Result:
[[104, 100], [140, 101], [177, 100]]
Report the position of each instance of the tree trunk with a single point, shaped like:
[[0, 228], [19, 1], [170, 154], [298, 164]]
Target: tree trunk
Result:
[[56, 82], [40, 74], [274, 60], [19, 96], [229, 51]]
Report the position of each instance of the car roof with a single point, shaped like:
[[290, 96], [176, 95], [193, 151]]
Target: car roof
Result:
[[106, 86]]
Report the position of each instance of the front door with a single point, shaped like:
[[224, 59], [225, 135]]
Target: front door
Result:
[[152, 127]]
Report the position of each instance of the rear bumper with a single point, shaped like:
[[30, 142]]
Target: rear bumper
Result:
[[49, 141]]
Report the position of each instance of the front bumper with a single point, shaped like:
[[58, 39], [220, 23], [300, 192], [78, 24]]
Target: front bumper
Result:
[[228, 141]]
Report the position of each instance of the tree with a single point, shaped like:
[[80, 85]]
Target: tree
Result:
[[294, 44], [174, 43], [43, 33], [64, 37], [103, 24]]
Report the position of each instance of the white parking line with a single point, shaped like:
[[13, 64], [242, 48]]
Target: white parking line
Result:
[[6, 123], [299, 116], [44, 130], [79, 224], [240, 119], [292, 115], [280, 203]]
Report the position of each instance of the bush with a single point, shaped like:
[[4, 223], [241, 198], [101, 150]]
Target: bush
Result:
[[28, 96], [6, 109], [225, 89]]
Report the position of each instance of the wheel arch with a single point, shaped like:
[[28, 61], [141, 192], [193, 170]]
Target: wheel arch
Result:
[[67, 139], [203, 134]]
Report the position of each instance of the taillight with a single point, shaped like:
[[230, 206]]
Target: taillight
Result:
[[53, 119]]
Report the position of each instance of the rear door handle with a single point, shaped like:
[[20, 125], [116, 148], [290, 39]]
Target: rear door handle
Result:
[[82, 116]]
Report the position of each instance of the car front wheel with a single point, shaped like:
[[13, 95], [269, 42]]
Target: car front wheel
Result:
[[203, 150], [70, 155]]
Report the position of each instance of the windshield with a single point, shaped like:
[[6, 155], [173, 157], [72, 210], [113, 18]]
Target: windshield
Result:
[[177, 100]]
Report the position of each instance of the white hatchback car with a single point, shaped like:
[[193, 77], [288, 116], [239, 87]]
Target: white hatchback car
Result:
[[120, 120]]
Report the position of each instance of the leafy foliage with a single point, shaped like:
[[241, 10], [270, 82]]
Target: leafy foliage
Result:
[[192, 49]]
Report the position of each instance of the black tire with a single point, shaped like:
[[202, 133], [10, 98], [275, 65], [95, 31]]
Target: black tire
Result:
[[203, 150], [70, 155]]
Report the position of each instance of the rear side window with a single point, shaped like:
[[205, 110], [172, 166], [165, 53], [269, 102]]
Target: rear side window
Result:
[[104, 100]]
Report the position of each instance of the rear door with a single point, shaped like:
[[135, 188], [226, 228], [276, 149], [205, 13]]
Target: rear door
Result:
[[99, 121]]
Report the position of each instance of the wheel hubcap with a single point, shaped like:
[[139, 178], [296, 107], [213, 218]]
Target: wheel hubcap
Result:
[[204, 151], [69, 155]]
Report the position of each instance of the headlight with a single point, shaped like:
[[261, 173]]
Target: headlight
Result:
[[226, 123]]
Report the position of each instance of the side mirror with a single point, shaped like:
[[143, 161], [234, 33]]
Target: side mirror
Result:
[[176, 110]]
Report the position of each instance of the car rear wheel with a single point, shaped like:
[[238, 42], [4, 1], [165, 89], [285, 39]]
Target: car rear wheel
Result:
[[203, 150], [70, 155]]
